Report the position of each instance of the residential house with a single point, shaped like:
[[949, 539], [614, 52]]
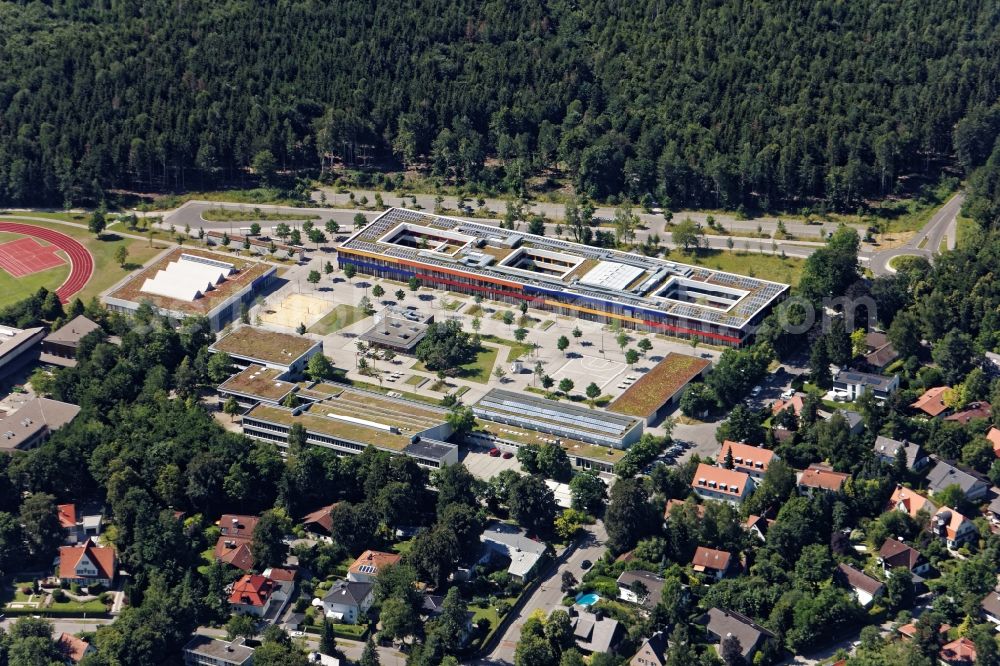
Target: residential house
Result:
[[257, 595], [855, 422], [79, 525], [680, 505], [723, 623], [757, 525], [433, 607], [909, 631], [59, 347], [73, 649], [794, 403], [320, 521], [747, 458], [953, 527], [991, 363], [972, 411], [367, 567], [512, 545], [886, 448], [894, 554], [233, 544], [207, 651], [595, 634], [994, 437], [347, 601], [959, 652], [88, 565], [652, 652], [33, 423], [865, 588], [282, 575], [724, 485], [640, 587], [879, 351], [716, 564], [944, 474], [931, 401], [822, 478], [855, 384], [994, 510], [910, 502], [990, 606]]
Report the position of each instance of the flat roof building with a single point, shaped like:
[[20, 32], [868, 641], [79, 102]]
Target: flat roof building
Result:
[[660, 389], [255, 384], [18, 347], [207, 651], [185, 282], [581, 454], [349, 420], [560, 419], [644, 293], [248, 345], [33, 423], [398, 329]]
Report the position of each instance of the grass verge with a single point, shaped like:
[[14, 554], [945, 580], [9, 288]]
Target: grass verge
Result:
[[764, 266]]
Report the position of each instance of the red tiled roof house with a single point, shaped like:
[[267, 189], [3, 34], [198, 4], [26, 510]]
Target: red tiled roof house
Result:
[[88, 565], [724, 485]]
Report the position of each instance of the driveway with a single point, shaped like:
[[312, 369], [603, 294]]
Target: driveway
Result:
[[548, 595]]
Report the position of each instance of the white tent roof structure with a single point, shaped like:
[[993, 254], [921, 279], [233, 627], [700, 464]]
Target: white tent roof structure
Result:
[[188, 278]]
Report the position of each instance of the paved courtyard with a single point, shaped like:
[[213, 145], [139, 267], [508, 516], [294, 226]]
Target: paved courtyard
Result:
[[582, 370], [593, 357]]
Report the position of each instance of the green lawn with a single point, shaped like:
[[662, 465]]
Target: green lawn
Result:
[[415, 381], [341, 316], [95, 606], [478, 370], [237, 215], [106, 270], [966, 227], [763, 266], [517, 349], [260, 195]]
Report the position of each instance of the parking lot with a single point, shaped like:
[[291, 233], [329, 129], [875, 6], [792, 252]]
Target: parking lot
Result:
[[484, 466]]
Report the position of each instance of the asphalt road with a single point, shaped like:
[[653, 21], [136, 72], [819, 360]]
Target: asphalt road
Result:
[[190, 215], [942, 224], [556, 211], [548, 595], [65, 625]]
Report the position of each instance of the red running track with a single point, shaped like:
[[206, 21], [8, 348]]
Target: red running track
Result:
[[80, 260]]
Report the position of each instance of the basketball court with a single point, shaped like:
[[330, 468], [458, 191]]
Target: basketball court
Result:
[[26, 256], [295, 309], [586, 369]]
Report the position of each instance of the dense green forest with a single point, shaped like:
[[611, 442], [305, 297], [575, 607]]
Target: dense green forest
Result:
[[743, 102]]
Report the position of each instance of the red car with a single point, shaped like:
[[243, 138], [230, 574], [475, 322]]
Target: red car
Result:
[[507, 455], [495, 452]]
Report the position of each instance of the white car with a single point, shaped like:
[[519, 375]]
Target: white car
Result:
[[755, 390], [787, 393]]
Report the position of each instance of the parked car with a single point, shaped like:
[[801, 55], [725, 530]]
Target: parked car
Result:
[[494, 452], [755, 390], [788, 393], [507, 455]]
